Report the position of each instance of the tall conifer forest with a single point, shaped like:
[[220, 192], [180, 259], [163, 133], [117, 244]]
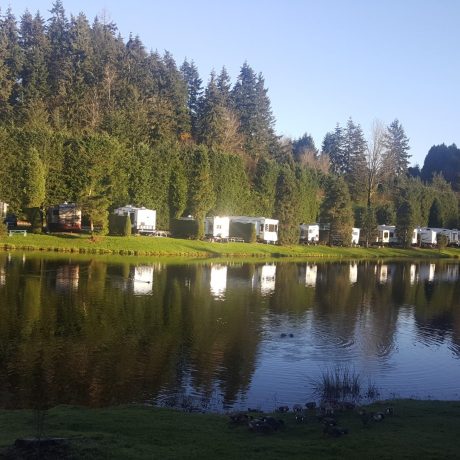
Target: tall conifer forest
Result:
[[88, 116]]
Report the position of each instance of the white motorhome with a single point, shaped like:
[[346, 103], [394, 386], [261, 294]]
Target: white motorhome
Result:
[[266, 229], [355, 236], [3, 209], [387, 235], [426, 236], [452, 235], [142, 220], [309, 233], [217, 227]]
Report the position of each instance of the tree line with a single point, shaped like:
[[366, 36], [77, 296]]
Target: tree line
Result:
[[86, 116]]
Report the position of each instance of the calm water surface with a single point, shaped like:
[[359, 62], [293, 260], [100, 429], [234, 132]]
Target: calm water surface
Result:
[[96, 332]]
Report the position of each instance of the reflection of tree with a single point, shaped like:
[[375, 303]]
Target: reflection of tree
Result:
[[97, 344]]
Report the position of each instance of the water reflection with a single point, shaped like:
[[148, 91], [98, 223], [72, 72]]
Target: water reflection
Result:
[[84, 331]]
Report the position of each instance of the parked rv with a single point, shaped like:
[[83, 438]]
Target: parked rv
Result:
[[452, 235], [217, 227], [143, 220], [387, 235], [266, 229], [309, 233], [426, 237], [65, 217], [355, 232]]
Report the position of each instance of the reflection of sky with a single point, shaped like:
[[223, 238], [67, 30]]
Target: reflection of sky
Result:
[[218, 283]]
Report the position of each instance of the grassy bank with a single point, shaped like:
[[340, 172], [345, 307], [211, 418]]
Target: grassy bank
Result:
[[149, 246], [418, 429]]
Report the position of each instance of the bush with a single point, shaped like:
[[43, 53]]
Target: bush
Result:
[[184, 228], [247, 231], [119, 225], [442, 241], [35, 217], [3, 228]]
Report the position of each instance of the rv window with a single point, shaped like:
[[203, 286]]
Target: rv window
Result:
[[385, 234], [261, 227], [218, 227], [392, 234], [272, 228]]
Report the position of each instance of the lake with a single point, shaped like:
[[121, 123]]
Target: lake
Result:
[[103, 331]]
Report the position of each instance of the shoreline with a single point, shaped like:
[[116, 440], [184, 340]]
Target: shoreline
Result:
[[171, 247], [414, 428]]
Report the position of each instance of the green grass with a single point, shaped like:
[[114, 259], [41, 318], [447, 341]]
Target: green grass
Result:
[[418, 429], [149, 246]]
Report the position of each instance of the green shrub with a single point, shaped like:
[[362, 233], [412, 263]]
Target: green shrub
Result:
[[3, 228], [35, 217], [442, 241], [119, 225], [184, 228], [247, 231]]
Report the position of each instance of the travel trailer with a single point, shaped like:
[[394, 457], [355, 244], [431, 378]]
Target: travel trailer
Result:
[[387, 235], [217, 227], [266, 229], [309, 233], [452, 235], [143, 221], [65, 217], [426, 237], [355, 236]]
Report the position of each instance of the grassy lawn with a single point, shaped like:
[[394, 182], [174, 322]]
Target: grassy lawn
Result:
[[150, 246], [418, 429]]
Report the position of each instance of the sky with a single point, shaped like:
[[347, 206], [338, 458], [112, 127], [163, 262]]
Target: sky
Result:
[[323, 60]]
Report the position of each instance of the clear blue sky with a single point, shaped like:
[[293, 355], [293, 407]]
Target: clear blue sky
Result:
[[323, 61]]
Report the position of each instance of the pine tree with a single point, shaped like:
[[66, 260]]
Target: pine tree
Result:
[[252, 106], [355, 167], [336, 210], [201, 191], [194, 89], [11, 59], [34, 180], [435, 217], [34, 72], [287, 207], [396, 157], [333, 147], [177, 191]]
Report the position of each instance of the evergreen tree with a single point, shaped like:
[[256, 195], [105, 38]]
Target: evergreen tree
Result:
[[265, 180], [34, 71], [435, 217], [224, 87], [177, 191], [201, 192], [336, 210], [252, 106], [194, 89], [355, 165], [444, 160], [333, 147], [34, 180], [396, 157], [287, 206], [10, 65]]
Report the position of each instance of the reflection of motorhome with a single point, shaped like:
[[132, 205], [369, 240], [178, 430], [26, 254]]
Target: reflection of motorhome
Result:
[[264, 278], [426, 272], [266, 229], [142, 279], [353, 276], [309, 233], [218, 281], [142, 220], [217, 227], [67, 277], [65, 217], [383, 273]]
